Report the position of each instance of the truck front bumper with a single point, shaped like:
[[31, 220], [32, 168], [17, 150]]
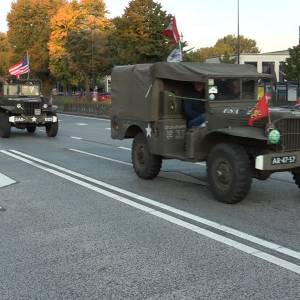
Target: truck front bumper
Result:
[[33, 119], [278, 161]]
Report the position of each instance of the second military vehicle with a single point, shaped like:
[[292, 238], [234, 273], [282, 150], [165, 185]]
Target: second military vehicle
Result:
[[23, 106], [147, 105]]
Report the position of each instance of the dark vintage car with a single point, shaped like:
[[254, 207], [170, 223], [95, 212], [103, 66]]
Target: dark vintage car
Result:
[[23, 106]]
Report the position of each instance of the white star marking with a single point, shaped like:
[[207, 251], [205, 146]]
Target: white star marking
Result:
[[148, 130], [33, 119]]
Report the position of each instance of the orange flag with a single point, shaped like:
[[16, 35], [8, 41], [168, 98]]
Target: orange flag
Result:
[[260, 111]]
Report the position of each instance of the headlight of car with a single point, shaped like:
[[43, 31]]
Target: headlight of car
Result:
[[274, 136]]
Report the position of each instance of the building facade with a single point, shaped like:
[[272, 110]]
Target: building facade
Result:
[[269, 62]]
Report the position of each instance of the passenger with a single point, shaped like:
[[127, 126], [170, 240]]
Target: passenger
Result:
[[193, 107]]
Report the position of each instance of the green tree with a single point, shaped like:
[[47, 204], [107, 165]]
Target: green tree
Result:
[[292, 65], [137, 36], [225, 49]]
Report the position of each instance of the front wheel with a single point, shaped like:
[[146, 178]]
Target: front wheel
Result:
[[52, 128], [5, 126], [296, 176], [229, 173], [145, 164]]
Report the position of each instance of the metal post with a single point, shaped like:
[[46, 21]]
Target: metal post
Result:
[[238, 33]]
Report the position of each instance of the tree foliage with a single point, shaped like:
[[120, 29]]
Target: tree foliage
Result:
[[137, 36], [4, 54], [78, 41], [224, 49], [292, 65], [29, 30]]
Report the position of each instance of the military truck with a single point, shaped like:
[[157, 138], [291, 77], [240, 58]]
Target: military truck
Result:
[[23, 106], [147, 106]]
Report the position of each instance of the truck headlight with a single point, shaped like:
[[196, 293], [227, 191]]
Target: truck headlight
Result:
[[274, 136], [45, 105]]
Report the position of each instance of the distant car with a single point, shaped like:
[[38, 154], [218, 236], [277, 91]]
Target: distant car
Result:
[[104, 96]]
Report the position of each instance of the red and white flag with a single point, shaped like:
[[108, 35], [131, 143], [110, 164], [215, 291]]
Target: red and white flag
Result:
[[22, 67], [172, 32]]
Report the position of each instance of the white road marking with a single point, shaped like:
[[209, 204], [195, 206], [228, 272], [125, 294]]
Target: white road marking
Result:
[[201, 163], [5, 180], [226, 229], [108, 128], [41, 130], [75, 138], [99, 156], [204, 232], [82, 124], [124, 148], [84, 117]]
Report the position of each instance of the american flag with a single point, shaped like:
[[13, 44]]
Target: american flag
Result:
[[20, 68]]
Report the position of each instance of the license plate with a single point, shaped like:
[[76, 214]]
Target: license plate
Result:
[[37, 112], [283, 160]]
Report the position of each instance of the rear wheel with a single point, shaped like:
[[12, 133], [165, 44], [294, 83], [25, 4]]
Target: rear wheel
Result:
[[296, 176], [52, 128], [229, 173], [31, 128], [5, 126], [145, 164]]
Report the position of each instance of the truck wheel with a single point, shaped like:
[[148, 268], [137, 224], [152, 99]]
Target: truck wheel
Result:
[[229, 173], [31, 128], [5, 126], [296, 176], [145, 164], [52, 128]]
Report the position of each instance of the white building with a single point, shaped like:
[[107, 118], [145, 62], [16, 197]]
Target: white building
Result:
[[269, 62]]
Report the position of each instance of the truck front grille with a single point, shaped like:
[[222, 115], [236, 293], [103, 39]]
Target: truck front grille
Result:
[[290, 133], [29, 107]]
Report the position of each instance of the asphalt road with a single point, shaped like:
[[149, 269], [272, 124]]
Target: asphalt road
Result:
[[77, 223]]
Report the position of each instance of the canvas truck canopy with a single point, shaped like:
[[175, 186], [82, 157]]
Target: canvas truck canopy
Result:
[[136, 88]]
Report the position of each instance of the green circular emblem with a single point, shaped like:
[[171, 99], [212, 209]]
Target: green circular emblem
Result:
[[274, 136]]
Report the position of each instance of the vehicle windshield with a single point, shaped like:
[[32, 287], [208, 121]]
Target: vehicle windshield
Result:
[[29, 90], [234, 89], [21, 90]]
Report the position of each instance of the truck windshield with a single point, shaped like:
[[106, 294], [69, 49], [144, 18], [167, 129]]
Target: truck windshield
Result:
[[29, 90], [21, 90], [10, 90], [235, 89]]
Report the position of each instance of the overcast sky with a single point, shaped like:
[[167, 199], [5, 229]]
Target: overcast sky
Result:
[[274, 24]]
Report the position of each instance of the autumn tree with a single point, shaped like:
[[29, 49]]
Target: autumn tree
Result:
[[4, 54], [225, 49], [292, 65], [29, 30], [137, 35], [78, 42]]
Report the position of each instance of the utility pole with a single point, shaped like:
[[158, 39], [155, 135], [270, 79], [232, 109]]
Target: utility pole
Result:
[[238, 31]]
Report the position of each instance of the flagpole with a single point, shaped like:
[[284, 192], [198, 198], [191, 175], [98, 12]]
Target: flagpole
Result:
[[28, 75]]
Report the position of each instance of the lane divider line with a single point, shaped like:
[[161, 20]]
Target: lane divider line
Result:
[[84, 117], [215, 225], [102, 157], [125, 148], [75, 138], [204, 232]]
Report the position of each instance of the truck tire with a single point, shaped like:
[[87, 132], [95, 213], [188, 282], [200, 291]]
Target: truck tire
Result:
[[5, 126], [229, 173], [145, 164], [52, 128], [31, 128], [296, 176]]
